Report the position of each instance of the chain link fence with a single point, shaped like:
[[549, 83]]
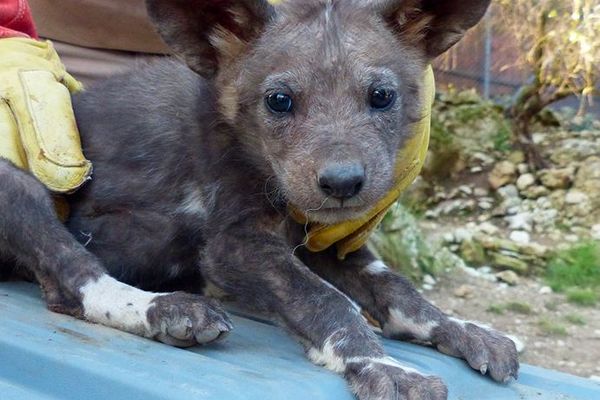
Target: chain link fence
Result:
[[488, 60]]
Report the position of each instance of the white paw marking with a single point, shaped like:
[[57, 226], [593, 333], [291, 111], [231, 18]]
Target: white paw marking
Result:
[[389, 361], [519, 345], [476, 323], [376, 267], [112, 303], [327, 357], [399, 323]]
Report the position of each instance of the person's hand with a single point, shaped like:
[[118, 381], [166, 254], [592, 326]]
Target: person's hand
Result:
[[38, 131]]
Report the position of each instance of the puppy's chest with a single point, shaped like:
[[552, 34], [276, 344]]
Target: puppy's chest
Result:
[[196, 202]]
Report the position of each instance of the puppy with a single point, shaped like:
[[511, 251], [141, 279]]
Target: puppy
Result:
[[302, 105]]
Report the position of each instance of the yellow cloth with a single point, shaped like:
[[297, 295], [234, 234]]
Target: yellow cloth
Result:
[[350, 236], [37, 126]]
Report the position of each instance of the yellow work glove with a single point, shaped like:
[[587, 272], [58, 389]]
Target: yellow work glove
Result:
[[350, 236], [37, 126]]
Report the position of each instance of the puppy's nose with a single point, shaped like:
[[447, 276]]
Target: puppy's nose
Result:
[[342, 180]]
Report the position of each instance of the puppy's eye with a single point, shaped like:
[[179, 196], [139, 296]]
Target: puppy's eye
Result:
[[382, 99], [279, 102]]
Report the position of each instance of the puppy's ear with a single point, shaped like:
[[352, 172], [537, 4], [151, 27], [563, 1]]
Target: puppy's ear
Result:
[[207, 34], [436, 25]]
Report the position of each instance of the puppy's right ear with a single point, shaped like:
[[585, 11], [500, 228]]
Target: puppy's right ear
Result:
[[208, 34]]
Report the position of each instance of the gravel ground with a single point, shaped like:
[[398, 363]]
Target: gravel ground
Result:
[[557, 335]]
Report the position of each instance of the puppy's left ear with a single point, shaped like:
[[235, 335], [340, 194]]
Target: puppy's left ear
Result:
[[436, 25]]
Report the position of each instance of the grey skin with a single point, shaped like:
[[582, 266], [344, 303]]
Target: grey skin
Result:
[[193, 175]]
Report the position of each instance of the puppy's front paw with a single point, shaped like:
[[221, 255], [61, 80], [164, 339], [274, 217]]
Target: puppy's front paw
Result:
[[383, 379], [485, 349], [183, 320]]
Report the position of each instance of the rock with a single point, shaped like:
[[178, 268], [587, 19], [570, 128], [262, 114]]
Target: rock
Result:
[[509, 277], [429, 280], [472, 252], [557, 198], [545, 290], [480, 192], [572, 238], [557, 178], [427, 287], [491, 229], [574, 196], [449, 207], [523, 168], [577, 204], [510, 262], [588, 180], [471, 271], [482, 158], [509, 192], [462, 234], [595, 232], [574, 148], [485, 204], [520, 237], [485, 270], [534, 250], [523, 221], [524, 181], [543, 203], [465, 189], [545, 218], [504, 172], [511, 201], [464, 291], [516, 157], [448, 237], [534, 192]]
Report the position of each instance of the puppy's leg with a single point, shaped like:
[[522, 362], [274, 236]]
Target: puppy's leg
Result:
[[403, 313], [75, 283], [256, 265]]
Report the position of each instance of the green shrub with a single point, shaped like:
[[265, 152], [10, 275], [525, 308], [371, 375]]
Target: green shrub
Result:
[[582, 297], [577, 267], [519, 308], [496, 309], [552, 328], [575, 319]]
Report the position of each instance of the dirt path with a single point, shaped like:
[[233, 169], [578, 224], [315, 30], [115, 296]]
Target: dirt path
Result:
[[557, 335]]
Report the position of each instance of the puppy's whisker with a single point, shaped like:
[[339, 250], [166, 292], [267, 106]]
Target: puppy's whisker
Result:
[[306, 212], [318, 208], [272, 195]]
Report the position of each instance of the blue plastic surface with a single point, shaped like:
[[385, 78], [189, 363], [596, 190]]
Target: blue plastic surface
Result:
[[50, 356]]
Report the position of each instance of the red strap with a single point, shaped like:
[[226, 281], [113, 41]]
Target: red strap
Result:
[[16, 20]]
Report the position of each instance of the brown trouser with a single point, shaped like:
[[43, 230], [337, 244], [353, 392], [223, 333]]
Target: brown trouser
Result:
[[90, 65]]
